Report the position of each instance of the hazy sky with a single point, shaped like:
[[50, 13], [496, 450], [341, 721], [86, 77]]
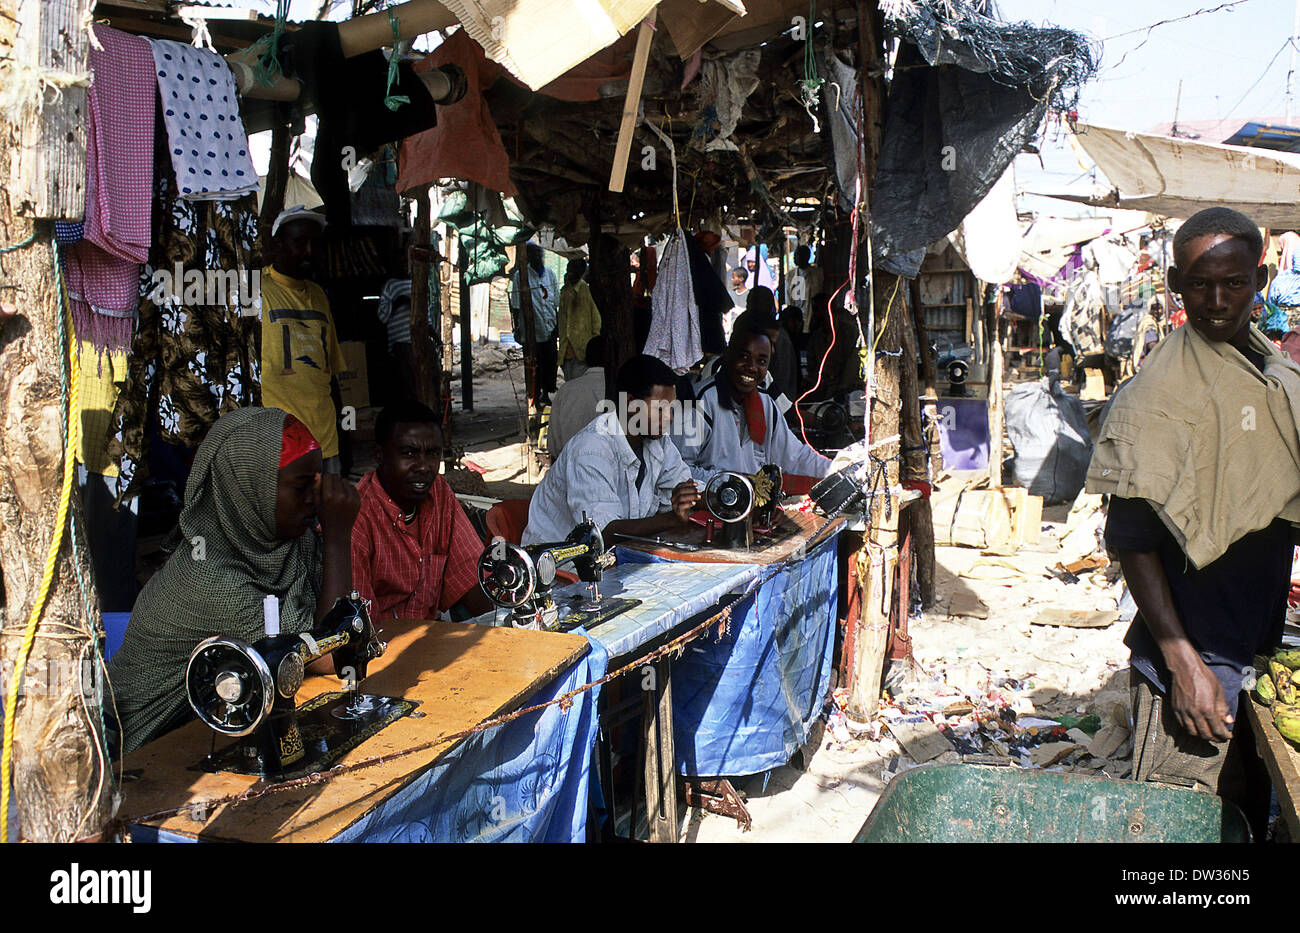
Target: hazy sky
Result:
[[1222, 59]]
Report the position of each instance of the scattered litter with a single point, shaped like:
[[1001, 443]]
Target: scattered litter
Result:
[[1108, 741], [968, 604], [1089, 724], [1075, 618], [923, 740], [997, 569], [1052, 752]]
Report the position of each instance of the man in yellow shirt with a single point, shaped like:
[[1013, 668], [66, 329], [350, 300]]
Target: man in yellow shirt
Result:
[[579, 321], [300, 347]]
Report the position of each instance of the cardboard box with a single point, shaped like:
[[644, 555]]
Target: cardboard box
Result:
[[354, 383]]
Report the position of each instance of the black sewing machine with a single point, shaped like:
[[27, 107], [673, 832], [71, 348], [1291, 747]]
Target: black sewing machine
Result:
[[520, 579], [247, 691], [730, 498], [748, 508]]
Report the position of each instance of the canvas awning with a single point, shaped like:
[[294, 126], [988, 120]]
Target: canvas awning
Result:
[[1178, 177], [539, 40]]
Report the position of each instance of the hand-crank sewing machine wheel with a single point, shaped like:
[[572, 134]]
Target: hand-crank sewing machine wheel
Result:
[[229, 685], [506, 574]]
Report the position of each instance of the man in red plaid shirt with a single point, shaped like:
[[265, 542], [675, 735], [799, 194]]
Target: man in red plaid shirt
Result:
[[414, 551]]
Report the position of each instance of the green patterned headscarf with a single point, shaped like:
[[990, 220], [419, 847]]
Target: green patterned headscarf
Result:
[[215, 581]]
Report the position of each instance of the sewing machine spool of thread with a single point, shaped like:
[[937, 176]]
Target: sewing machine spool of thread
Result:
[[271, 614]]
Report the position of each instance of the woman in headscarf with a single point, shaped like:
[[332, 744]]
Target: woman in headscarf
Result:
[[252, 501]]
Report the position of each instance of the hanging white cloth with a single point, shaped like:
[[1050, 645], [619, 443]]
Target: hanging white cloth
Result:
[[205, 133], [675, 318]]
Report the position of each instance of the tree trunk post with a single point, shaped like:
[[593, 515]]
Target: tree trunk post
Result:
[[62, 780], [881, 558]]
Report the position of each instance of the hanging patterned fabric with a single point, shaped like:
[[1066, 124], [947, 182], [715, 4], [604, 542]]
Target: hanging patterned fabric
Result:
[[194, 357], [102, 262], [675, 323], [207, 143]]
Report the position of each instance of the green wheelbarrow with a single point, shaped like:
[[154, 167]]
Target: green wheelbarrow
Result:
[[980, 803]]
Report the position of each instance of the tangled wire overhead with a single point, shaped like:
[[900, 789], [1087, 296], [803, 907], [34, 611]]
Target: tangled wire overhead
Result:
[[967, 33]]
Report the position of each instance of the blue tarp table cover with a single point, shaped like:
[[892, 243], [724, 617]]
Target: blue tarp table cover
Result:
[[743, 704], [524, 781], [671, 592]]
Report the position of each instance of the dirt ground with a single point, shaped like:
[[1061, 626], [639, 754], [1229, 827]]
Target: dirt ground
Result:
[[1064, 671]]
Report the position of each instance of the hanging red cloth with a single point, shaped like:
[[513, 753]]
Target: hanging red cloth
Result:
[[465, 143], [755, 416], [644, 283]]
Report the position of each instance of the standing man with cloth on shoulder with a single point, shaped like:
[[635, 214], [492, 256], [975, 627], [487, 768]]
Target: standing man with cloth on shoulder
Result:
[[1200, 454]]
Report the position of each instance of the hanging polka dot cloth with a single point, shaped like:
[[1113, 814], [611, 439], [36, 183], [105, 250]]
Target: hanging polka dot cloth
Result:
[[205, 134]]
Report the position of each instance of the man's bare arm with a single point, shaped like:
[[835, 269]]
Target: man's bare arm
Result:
[[1195, 694]]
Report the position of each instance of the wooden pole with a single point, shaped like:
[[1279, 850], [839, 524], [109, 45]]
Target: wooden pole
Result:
[[632, 103], [928, 369], [918, 516], [995, 399], [356, 36], [426, 385], [466, 335], [890, 307], [611, 289], [447, 276], [783, 295], [277, 181], [62, 779], [49, 146], [524, 284]]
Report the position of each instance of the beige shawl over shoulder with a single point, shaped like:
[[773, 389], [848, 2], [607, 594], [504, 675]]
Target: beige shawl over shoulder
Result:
[[1208, 439]]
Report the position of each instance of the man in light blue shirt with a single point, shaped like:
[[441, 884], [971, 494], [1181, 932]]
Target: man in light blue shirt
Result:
[[619, 471], [544, 296], [735, 425]]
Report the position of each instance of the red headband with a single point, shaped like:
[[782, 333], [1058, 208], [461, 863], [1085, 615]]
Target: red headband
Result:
[[295, 441]]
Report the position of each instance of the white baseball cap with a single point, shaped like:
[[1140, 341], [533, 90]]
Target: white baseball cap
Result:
[[295, 213]]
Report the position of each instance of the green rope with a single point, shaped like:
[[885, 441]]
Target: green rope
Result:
[[810, 86], [393, 101], [94, 645], [811, 78], [268, 58], [63, 396], [10, 249]]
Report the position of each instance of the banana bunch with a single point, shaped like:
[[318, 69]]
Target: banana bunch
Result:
[[1277, 689]]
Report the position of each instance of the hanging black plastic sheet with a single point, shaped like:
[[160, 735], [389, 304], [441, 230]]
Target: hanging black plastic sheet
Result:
[[968, 92], [949, 136]]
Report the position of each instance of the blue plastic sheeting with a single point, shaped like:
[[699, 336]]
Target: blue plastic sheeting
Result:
[[964, 433], [523, 781], [670, 593], [114, 631], [744, 704], [1285, 289]]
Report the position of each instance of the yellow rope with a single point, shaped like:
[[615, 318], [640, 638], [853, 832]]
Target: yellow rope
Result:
[[51, 561], [898, 280]]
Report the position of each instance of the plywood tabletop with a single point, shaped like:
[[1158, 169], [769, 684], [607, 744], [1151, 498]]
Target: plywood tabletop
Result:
[[806, 523], [1282, 761], [461, 674]]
